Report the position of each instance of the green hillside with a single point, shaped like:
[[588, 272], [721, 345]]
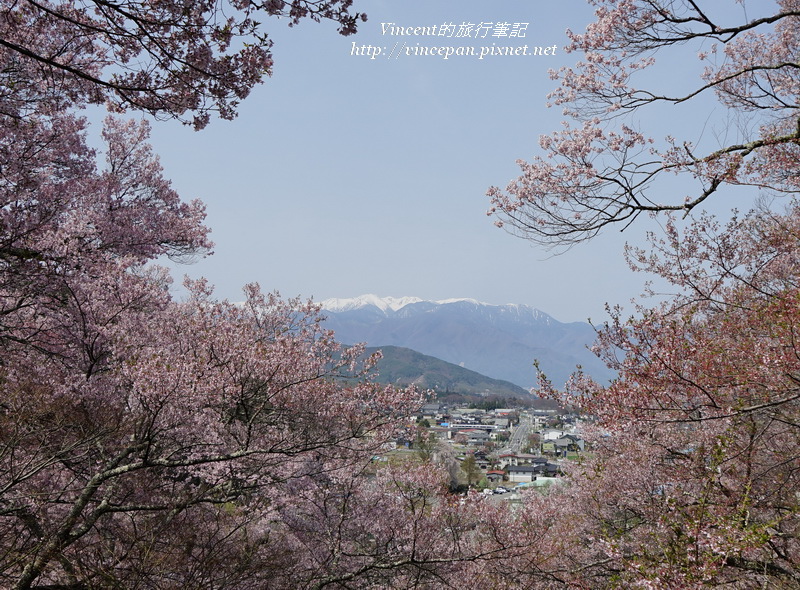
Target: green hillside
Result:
[[403, 366]]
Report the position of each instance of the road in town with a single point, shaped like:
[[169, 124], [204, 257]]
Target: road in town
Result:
[[519, 438]]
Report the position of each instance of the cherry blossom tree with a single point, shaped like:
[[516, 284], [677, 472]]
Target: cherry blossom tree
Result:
[[169, 59], [171, 461], [693, 478], [151, 443], [145, 441], [604, 168]]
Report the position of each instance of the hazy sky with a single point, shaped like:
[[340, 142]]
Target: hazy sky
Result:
[[346, 175]]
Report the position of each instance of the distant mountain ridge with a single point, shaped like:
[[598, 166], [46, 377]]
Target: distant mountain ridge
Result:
[[499, 341]]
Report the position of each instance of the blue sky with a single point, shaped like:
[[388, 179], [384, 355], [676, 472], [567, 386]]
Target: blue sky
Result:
[[346, 175]]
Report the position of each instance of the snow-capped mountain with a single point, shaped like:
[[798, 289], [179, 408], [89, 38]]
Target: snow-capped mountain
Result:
[[383, 303], [500, 341]]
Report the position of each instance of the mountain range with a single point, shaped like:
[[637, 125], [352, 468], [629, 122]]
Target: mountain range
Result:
[[499, 341]]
